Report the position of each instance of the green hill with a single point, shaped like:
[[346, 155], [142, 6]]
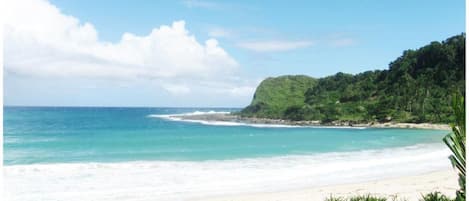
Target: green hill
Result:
[[416, 88], [275, 95]]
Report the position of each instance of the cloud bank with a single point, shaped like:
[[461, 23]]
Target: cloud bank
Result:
[[41, 41]]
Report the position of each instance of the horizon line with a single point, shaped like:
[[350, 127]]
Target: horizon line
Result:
[[97, 106]]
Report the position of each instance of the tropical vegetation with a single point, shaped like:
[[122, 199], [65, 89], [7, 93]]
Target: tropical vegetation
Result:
[[434, 196], [456, 142], [415, 88]]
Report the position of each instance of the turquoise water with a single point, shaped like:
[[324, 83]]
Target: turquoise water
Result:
[[75, 154], [74, 135]]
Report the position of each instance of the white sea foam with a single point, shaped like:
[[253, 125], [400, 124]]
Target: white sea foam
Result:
[[172, 180], [187, 114], [179, 117]]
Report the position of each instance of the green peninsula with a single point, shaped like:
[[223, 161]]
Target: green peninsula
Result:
[[416, 88]]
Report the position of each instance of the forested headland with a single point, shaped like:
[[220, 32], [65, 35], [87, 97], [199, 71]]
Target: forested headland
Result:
[[416, 88]]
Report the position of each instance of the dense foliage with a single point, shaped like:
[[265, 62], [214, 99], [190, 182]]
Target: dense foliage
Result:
[[417, 87], [456, 142], [275, 95]]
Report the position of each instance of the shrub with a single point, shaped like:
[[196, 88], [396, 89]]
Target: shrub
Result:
[[456, 142], [357, 198], [435, 196], [367, 198]]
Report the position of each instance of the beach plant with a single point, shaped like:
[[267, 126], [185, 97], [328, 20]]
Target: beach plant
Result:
[[367, 198], [332, 198], [357, 198], [397, 198], [435, 196], [456, 141]]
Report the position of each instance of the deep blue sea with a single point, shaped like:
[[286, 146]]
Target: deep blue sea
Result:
[[98, 153]]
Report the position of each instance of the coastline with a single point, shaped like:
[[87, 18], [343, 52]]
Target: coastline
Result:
[[263, 179], [410, 188], [231, 118]]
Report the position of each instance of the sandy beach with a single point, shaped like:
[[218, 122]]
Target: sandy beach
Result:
[[409, 188], [232, 118]]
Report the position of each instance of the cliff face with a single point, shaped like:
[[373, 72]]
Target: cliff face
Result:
[[417, 87]]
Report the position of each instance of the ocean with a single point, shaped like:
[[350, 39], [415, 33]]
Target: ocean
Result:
[[103, 153]]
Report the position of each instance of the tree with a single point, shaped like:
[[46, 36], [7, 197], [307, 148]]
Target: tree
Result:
[[413, 89]]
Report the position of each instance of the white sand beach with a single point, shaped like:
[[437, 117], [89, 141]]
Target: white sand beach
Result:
[[409, 188]]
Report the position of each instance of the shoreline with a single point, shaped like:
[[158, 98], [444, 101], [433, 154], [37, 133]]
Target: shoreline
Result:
[[266, 179], [231, 118], [410, 188]]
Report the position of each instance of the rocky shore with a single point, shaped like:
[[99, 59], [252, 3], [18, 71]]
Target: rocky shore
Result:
[[223, 117]]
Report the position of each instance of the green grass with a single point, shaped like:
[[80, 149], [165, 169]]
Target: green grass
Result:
[[357, 198], [434, 196], [274, 95], [367, 198]]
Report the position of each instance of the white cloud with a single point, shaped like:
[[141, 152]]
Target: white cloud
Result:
[[42, 41], [275, 46]]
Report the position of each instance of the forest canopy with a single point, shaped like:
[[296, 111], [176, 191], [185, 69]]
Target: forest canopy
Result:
[[416, 88]]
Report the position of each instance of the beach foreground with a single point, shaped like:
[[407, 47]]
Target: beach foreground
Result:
[[409, 188]]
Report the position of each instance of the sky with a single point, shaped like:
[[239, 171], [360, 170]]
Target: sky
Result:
[[201, 53]]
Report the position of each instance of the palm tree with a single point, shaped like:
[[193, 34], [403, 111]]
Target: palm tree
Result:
[[456, 141]]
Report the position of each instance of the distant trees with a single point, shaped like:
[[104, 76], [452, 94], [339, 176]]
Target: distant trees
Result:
[[415, 88]]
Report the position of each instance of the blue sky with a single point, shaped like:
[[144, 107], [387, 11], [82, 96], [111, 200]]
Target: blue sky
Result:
[[253, 40]]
